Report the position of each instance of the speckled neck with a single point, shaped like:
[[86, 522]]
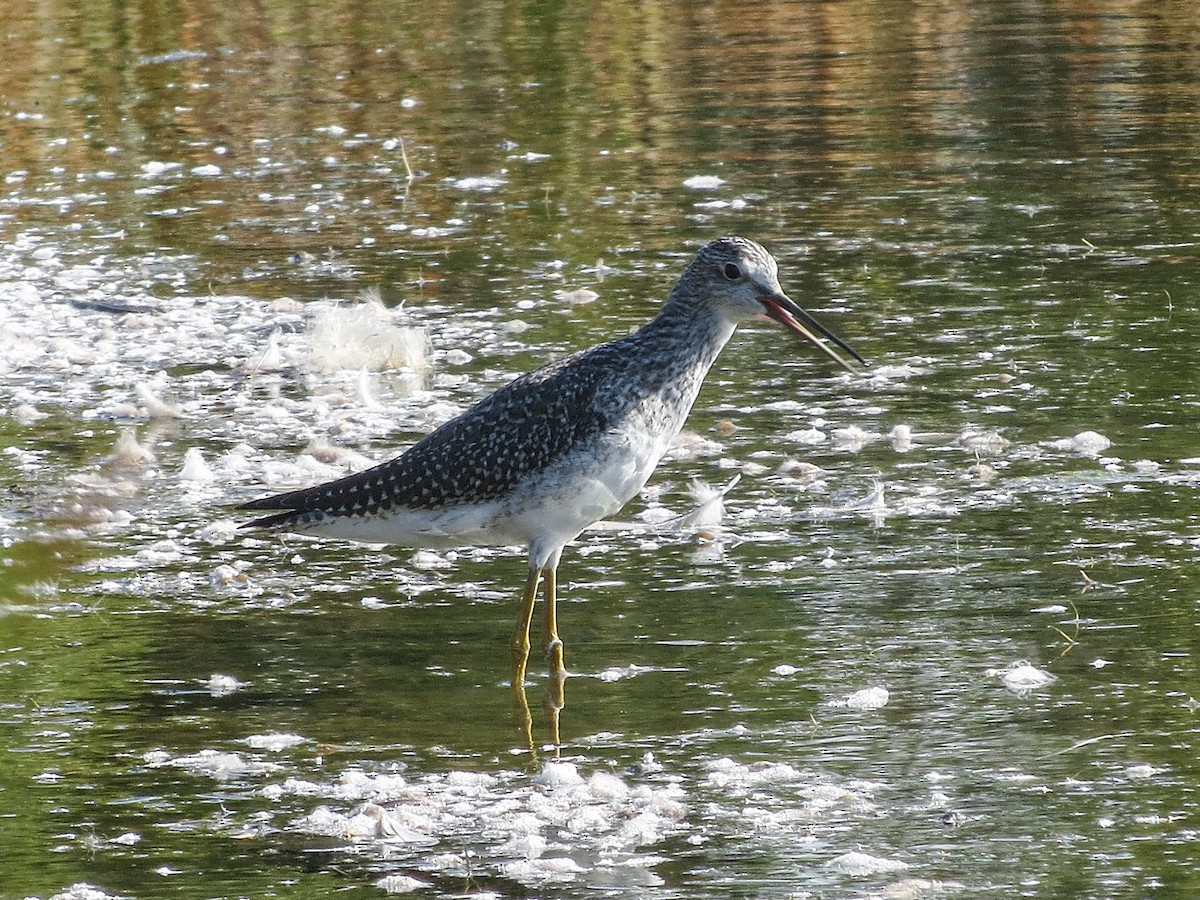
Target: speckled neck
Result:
[[675, 351], [686, 333]]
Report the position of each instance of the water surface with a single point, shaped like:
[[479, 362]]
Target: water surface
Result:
[[994, 204]]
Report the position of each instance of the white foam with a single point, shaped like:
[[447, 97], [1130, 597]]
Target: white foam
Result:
[[1022, 678], [983, 441], [559, 775], [216, 764], [402, 884], [156, 407], [725, 773], [858, 864], [577, 296], [364, 335], [274, 742], [195, 469], [1086, 443], [618, 673], [223, 685], [519, 822], [866, 699], [82, 890], [128, 452], [853, 438], [807, 436], [27, 414], [483, 183], [1142, 772]]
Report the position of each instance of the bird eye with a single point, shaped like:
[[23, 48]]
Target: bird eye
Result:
[[732, 272]]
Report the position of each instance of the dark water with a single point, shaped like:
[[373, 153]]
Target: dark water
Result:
[[994, 203]]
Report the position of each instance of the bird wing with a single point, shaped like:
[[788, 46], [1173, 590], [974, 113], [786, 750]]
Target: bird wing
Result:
[[478, 456]]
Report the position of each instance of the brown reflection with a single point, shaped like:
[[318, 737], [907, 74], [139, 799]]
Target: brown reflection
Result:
[[622, 98]]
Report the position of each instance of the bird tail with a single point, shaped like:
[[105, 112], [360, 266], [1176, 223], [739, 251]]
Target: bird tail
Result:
[[296, 510], [283, 519]]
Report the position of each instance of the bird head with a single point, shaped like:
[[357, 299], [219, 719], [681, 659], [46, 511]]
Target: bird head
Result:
[[741, 279]]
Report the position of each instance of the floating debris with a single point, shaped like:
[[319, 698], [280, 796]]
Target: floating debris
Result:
[[866, 699], [483, 183], [83, 891], [1022, 678], [274, 742], [401, 884], [1086, 443], [333, 455], [269, 359], [709, 511], [558, 826], [128, 452], [581, 295], [195, 468], [216, 764], [858, 864], [223, 685], [156, 407], [981, 472], [225, 575], [703, 182], [365, 336], [804, 471], [983, 441], [689, 445]]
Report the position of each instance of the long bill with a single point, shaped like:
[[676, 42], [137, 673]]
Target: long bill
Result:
[[781, 308]]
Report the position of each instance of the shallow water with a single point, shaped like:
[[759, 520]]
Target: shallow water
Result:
[[959, 658]]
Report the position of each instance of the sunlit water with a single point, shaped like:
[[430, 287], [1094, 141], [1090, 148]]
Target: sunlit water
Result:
[[944, 639]]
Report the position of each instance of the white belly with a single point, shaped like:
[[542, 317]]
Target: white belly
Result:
[[544, 512]]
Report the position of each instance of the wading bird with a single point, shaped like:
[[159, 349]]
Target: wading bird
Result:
[[561, 447]]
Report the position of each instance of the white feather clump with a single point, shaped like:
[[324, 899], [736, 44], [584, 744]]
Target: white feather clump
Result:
[[709, 511], [365, 336]]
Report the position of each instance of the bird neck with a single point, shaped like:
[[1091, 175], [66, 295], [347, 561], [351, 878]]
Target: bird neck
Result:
[[656, 373], [690, 334], [679, 346]]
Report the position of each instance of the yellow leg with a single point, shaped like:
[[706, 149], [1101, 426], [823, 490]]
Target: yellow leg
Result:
[[520, 660], [520, 638], [554, 644], [556, 690]]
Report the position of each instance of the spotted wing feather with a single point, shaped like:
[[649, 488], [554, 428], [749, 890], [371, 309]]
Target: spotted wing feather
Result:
[[481, 455]]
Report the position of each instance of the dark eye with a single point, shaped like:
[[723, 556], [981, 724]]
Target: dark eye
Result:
[[732, 272]]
